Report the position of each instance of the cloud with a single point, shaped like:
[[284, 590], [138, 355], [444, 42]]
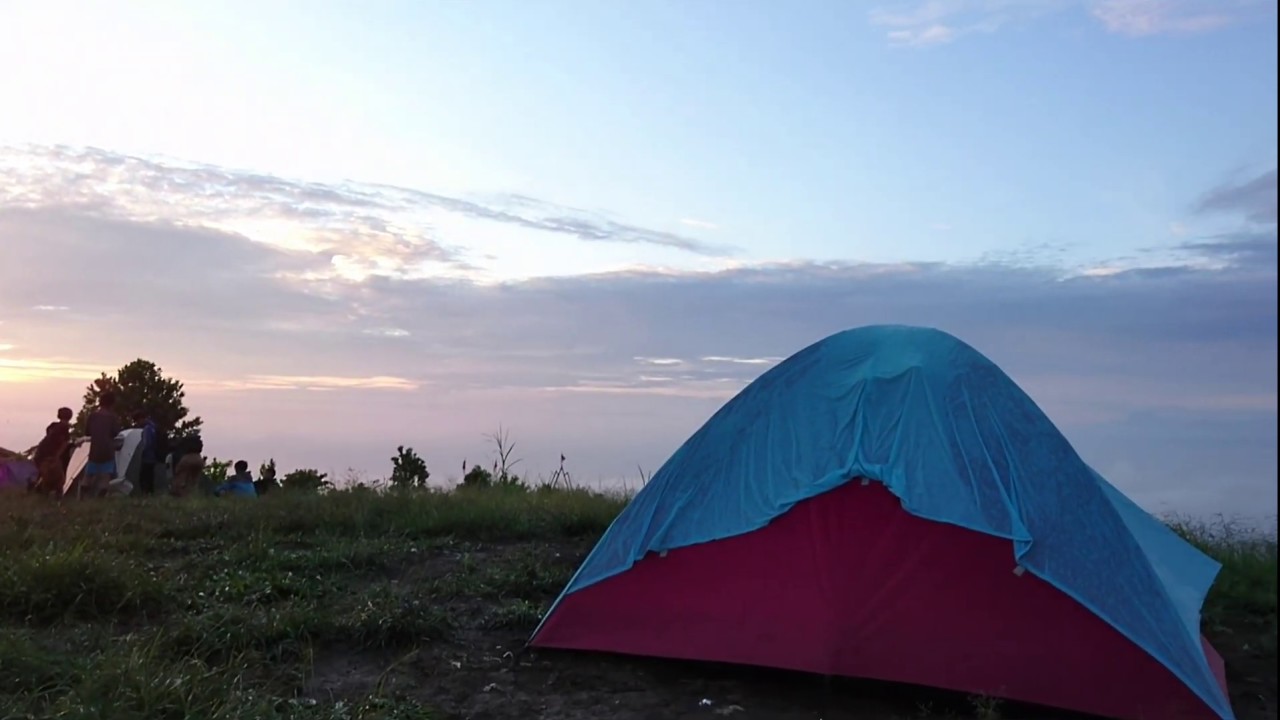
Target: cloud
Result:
[[659, 361], [355, 230], [285, 359], [304, 382], [1140, 18], [1255, 199], [239, 301], [742, 361], [936, 34], [37, 369], [938, 22], [29, 369], [700, 224], [1244, 248]]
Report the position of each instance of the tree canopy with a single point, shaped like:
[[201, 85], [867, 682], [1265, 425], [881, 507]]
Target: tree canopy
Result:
[[408, 470], [142, 385]]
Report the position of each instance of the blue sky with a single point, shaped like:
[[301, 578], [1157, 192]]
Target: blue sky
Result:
[[802, 130], [353, 159]]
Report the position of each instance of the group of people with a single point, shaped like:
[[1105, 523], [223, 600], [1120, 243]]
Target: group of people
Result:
[[183, 464]]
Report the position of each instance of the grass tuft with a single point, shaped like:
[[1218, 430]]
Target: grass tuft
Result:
[[1242, 602], [43, 585]]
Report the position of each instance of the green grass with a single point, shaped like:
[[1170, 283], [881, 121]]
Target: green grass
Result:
[[215, 609], [1241, 607]]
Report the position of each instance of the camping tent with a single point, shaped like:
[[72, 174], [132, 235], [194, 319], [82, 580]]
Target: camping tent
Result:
[[16, 473], [128, 463], [888, 504]]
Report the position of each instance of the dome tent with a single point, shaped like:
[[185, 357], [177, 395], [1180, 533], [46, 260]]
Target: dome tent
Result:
[[128, 463], [887, 503], [17, 472]]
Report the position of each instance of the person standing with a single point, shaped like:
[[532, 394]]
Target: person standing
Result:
[[103, 428], [147, 447], [50, 453]]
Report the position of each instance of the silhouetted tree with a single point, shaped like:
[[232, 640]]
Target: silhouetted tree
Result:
[[141, 385], [408, 470]]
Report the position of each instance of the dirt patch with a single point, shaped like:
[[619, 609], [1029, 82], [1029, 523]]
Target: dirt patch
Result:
[[482, 672], [490, 681], [1251, 674], [345, 672]]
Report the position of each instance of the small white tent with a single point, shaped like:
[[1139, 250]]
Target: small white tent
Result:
[[128, 464]]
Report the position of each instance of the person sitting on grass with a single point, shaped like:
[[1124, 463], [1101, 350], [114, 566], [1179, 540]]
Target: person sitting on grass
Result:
[[267, 482], [238, 485], [189, 468]]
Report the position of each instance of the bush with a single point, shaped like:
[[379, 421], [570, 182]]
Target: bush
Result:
[[408, 470], [306, 480]]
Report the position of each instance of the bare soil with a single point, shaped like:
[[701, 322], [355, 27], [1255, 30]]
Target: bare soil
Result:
[[480, 673]]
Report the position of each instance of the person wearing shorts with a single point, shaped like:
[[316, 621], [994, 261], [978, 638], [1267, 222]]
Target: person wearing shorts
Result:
[[102, 428]]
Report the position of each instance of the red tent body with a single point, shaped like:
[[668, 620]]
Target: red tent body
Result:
[[848, 583]]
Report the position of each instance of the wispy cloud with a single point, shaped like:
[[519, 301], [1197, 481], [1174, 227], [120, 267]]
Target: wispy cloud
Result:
[[659, 361], [348, 230], [20, 370], [305, 382], [923, 36], [1139, 18], [26, 370], [1254, 198], [720, 389], [938, 22], [742, 361], [699, 224], [1244, 248], [391, 332]]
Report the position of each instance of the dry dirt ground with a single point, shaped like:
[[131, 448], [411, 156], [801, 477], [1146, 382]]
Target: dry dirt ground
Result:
[[479, 671]]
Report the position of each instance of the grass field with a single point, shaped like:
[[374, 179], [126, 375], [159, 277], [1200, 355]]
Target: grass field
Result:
[[360, 605]]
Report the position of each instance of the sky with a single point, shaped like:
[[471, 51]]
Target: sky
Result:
[[349, 226]]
